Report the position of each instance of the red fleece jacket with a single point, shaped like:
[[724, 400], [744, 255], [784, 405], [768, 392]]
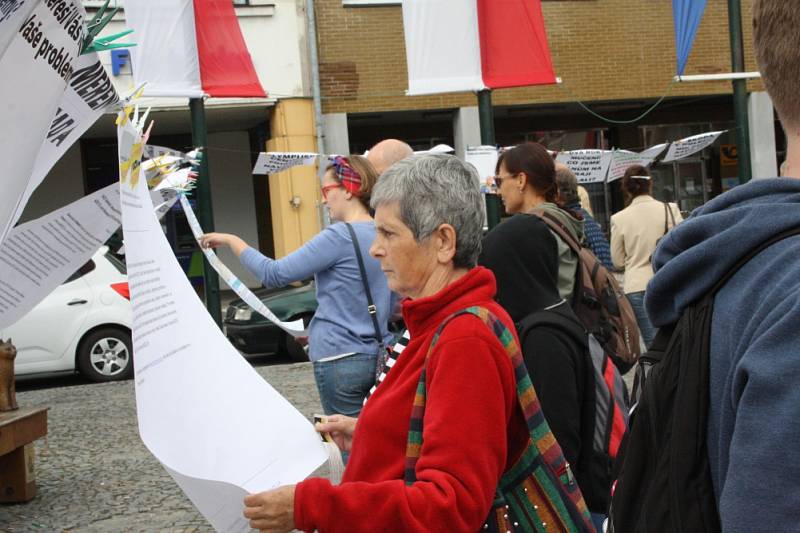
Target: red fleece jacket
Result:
[[474, 428]]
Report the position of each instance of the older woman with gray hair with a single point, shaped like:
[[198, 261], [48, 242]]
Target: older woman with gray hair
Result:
[[428, 218]]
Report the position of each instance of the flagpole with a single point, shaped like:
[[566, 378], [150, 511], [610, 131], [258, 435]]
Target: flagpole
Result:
[[739, 91], [486, 119], [205, 213]]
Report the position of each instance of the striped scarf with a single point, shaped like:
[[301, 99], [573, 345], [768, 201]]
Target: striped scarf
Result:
[[391, 359]]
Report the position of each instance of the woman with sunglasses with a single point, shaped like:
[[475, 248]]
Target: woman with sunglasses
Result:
[[526, 182], [342, 339], [535, 273]]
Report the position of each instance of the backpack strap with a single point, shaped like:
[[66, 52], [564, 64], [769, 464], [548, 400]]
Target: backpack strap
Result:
[[554, 320], [560, 229], [537, 425], [371, 309], [750, 255], [658, 348]]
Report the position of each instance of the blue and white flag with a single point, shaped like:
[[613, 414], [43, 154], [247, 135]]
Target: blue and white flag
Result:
[[687, 15]]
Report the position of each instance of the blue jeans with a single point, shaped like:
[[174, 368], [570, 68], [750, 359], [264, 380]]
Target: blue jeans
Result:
[[645, 326], [344, 383]]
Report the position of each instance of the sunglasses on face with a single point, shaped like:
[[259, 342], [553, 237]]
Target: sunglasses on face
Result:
[[498, 180], [327, 188]]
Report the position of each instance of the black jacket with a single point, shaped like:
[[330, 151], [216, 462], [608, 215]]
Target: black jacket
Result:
[[523, 255]]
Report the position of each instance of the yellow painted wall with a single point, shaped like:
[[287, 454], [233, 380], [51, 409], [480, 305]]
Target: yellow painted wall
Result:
[[292, 128]]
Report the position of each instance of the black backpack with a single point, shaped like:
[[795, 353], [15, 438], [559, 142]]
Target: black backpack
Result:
[[664, 479], [610, 396]]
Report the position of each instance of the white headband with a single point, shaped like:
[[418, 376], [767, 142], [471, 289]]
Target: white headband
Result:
[[641, 177]]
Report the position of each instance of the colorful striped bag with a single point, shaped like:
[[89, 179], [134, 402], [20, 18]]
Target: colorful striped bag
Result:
[[538, 493]]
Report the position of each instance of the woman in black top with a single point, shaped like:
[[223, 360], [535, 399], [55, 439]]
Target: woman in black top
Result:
[[523, 254]]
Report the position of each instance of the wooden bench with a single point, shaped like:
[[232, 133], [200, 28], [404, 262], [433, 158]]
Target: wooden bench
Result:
[[18, 430]]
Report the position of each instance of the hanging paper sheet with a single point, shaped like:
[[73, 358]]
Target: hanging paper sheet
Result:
[[294, 328], [89, 94], [272, 162], [39, 255], [622, 159], [691, 145], [484, 159], [215, 425], [35, 66], [589, 166]]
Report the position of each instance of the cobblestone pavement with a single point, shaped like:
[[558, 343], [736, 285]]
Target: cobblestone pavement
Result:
[[94, 474]]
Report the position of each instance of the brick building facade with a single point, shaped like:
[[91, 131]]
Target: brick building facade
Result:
[[615, 56], [594, 44]]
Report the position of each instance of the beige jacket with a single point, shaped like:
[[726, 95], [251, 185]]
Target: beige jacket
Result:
[[634, 233]]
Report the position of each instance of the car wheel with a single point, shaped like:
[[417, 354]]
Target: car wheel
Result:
[[106, 355], [292, 348]]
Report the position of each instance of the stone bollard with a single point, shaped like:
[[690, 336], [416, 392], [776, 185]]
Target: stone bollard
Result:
[[8, 393]]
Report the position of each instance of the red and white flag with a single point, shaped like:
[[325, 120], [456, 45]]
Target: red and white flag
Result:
[[190, 48], [469, 45]]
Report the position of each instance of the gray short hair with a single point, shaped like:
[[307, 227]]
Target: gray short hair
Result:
[[432, 190], [567, 185]]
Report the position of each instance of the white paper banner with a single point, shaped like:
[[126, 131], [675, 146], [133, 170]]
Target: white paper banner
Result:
[[589, 166], [295, 328], [34, 69], [653, 151], [272, 162], [622, 159], [218, 428], [484, 159], [12, 13], [691, 145], [38, 256], [88, 95]]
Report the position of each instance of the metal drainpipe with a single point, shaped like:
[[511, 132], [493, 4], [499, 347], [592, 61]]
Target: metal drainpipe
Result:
[[317, 95]]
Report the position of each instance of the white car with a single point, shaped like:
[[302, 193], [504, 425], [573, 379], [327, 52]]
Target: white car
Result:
[[83, 325]]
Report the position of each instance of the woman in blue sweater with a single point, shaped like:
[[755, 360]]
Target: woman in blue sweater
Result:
[[342, 343]]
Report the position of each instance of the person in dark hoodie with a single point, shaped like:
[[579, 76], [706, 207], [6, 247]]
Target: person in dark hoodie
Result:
[[526, 259], [754, 402]]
